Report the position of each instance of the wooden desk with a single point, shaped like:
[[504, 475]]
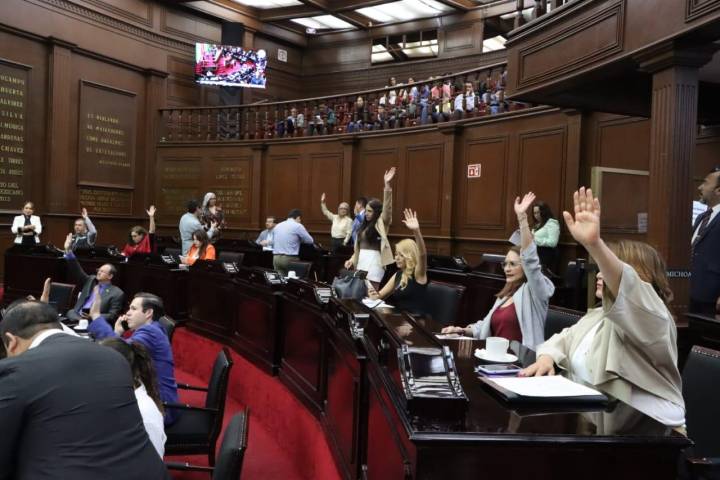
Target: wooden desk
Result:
[[350, 382]]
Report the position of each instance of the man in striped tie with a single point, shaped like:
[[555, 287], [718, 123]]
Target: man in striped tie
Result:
[[705, 249]]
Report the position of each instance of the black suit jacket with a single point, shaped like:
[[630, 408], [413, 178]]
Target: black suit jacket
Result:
[[112, 298], [705, 277], [68, 411]]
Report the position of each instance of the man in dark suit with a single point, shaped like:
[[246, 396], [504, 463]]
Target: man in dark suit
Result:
[[705, 248], [111, 297], [67, 405]]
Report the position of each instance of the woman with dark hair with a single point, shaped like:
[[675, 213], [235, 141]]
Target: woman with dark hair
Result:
[[628, 346], [146, 389], [27, 227], [200, 249], [372, 248], [141, 240], [521, 306], [546, 232]]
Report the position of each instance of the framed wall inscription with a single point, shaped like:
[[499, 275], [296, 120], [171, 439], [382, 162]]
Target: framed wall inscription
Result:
[[230, 181], [179, 181], [106, 201], [106, 143], [13, 126]]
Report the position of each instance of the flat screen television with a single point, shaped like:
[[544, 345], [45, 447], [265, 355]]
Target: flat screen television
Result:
[[229, 66]]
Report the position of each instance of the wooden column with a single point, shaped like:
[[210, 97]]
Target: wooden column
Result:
[[349, 155], [155, 99], [61, 169], [452, 135], [672, 145], [259, 202]]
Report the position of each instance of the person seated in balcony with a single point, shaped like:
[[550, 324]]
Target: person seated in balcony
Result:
[[521, 307], [372, 248], [139, 239], [383, 119], [409, 97], [295, 123], [406, 290], [424, 103], [359, 116], [201, 248], [459, 105], [546, 231], [469, 100], [443, 108], [330, 118], [341, 230], [628, 346]]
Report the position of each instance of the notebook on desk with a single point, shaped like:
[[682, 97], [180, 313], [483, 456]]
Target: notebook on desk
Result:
[[546, 390]]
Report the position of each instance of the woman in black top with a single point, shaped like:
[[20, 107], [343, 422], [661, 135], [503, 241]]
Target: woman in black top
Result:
[[406, 289]]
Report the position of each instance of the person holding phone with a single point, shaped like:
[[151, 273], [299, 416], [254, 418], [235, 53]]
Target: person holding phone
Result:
[[628, 346], [201, 249], [141, 320], [521, 307], [406, 290]]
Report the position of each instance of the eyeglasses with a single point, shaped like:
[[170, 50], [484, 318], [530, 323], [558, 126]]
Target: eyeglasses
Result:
[[510, 264]]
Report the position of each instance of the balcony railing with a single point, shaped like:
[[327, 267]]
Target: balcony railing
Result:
[[423, 102]]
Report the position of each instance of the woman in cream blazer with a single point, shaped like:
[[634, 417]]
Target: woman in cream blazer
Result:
[[627, 347], [27, 234]]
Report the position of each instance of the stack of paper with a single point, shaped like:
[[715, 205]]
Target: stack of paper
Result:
[[547, 387]]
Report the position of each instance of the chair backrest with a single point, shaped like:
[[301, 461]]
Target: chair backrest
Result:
[[234, 257], [442, 301], [559, 318], [217, 390], [702, 400], [232, 448], [169, 325], [61, 295], [301, 269]]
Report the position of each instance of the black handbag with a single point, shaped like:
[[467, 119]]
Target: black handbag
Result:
[[349, 284]]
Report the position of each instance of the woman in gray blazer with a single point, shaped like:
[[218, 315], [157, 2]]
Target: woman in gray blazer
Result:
[[526, 290]]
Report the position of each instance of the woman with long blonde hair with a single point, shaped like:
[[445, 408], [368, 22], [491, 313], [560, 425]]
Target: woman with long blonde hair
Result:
[[406, 289]]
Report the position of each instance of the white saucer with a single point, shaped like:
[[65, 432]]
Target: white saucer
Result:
[[481, 353]]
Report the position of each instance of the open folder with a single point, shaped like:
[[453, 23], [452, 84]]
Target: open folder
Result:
[[550, 389]]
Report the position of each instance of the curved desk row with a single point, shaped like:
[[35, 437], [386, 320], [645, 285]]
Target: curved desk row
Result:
[[345, 363]]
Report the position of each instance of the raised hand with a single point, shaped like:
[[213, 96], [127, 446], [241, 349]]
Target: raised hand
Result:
[[585, 226], [322, 198], [349, 264], [411, 221], [151, 211], [45, 297], [389, 174], [522, 207], [83, 213], [68, 241]]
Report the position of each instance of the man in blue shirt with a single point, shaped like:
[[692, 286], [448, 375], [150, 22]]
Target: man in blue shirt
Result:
[[142, 319], [288, 236], [360, 204]]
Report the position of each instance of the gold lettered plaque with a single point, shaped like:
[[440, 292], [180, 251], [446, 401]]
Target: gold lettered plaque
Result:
[[13, 126], [106, 201], [231, 182], [106, 143], [179, 180]]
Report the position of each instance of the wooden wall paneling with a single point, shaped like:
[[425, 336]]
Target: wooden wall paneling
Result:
[[190, 27], [619, 210], [258, 199], [283, 183], [325, 175], [59, 104], [482, 202], [707, 153], [177, 174], [423, 181], [230, 176], [155, 98], [139, 11], [368, 172], [542, 160], [624, 142], [461, 39]]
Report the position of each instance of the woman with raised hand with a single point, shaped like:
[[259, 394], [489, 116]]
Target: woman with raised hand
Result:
[[521, 307], [406, 289], [372, 248], [628, 346], [141, 240]]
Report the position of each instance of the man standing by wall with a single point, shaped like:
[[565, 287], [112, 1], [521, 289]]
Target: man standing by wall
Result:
[[705, 250], [190, 222]]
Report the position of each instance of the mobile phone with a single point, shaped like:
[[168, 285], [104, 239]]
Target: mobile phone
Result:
[[498, 369]]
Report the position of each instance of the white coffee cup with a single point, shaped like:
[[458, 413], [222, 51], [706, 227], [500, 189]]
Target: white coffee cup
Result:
[[82, 324], [496, 347], [292, 274]]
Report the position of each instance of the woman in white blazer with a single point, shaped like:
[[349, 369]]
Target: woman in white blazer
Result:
[[27, 227]]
